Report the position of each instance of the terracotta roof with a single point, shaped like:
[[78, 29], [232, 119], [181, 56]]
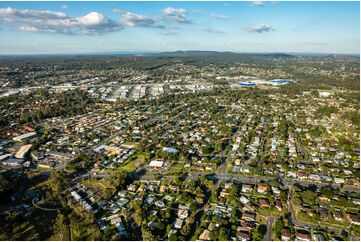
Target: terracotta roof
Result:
[[262, 187], [303, 235]]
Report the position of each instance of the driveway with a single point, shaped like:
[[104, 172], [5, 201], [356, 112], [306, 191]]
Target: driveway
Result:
[[270, 221]]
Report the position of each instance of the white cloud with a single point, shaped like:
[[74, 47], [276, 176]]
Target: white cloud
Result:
[[92, 18], [28, 29], [134, 20], [260, 28], [64, 6], [218, 16], [258, 3], [213, 31], [179, 15], [263, 3], [116, 10], [33, 14], [169, 33], [96, 23], [58, 22]]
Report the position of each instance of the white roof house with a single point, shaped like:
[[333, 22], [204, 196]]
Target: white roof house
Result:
[[23, 151], [25, 136], [178, 223], [156, 164], [76, 195]]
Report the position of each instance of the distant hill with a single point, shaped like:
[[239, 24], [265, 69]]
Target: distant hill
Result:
[[181, 53], [199, 53]]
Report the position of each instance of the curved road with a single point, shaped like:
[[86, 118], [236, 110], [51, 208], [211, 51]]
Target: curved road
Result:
[[45, 209]]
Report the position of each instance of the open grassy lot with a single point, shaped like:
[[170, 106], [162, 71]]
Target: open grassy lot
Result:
[[138, 160], [175, 168], [261, 219], [102, 188], [131, 145]]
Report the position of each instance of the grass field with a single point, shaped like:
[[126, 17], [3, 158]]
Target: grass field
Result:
[[102, 184], [133, 145], [175, 168], [134, 162], [101, 187]]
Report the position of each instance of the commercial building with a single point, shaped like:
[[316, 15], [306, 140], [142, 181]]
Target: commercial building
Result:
[[25, 136], [156, 164], [23, 151]]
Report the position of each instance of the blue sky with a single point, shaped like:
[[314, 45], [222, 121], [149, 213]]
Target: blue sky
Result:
[[78, 27]]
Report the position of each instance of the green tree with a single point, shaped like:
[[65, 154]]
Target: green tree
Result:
[[278, 227], [262, 230], [57, 182], [137, 214], [327, 191], [4, 184], [223, 234], [147, 233], [160, 225], [308, 196]]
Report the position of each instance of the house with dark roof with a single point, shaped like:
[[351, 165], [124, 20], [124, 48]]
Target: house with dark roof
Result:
[[354, 218], [264, 202], [243, 235], [323, 214], [303, 235], [338, 215], [278, 204], [286, 234], [248, 216]]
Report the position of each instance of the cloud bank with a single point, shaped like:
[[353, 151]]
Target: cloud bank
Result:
[[258, 3], [47, 21], [138, 20], [179, 15]]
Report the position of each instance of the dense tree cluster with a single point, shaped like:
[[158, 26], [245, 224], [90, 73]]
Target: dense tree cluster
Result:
[[50, 105]]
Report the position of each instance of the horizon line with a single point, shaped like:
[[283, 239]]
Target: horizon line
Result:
[[161, 52]]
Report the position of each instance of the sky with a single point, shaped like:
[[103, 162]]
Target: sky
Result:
[[254, 26]]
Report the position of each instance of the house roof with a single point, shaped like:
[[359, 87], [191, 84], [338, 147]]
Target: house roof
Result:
[[337, 214], [262, 187], [205, 235], [156, 163], [303, 235], [248, 215], [278, 203], [264, 202], [248, 225], [286, 232], [353, 217], [178, 222], [243, 234]]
